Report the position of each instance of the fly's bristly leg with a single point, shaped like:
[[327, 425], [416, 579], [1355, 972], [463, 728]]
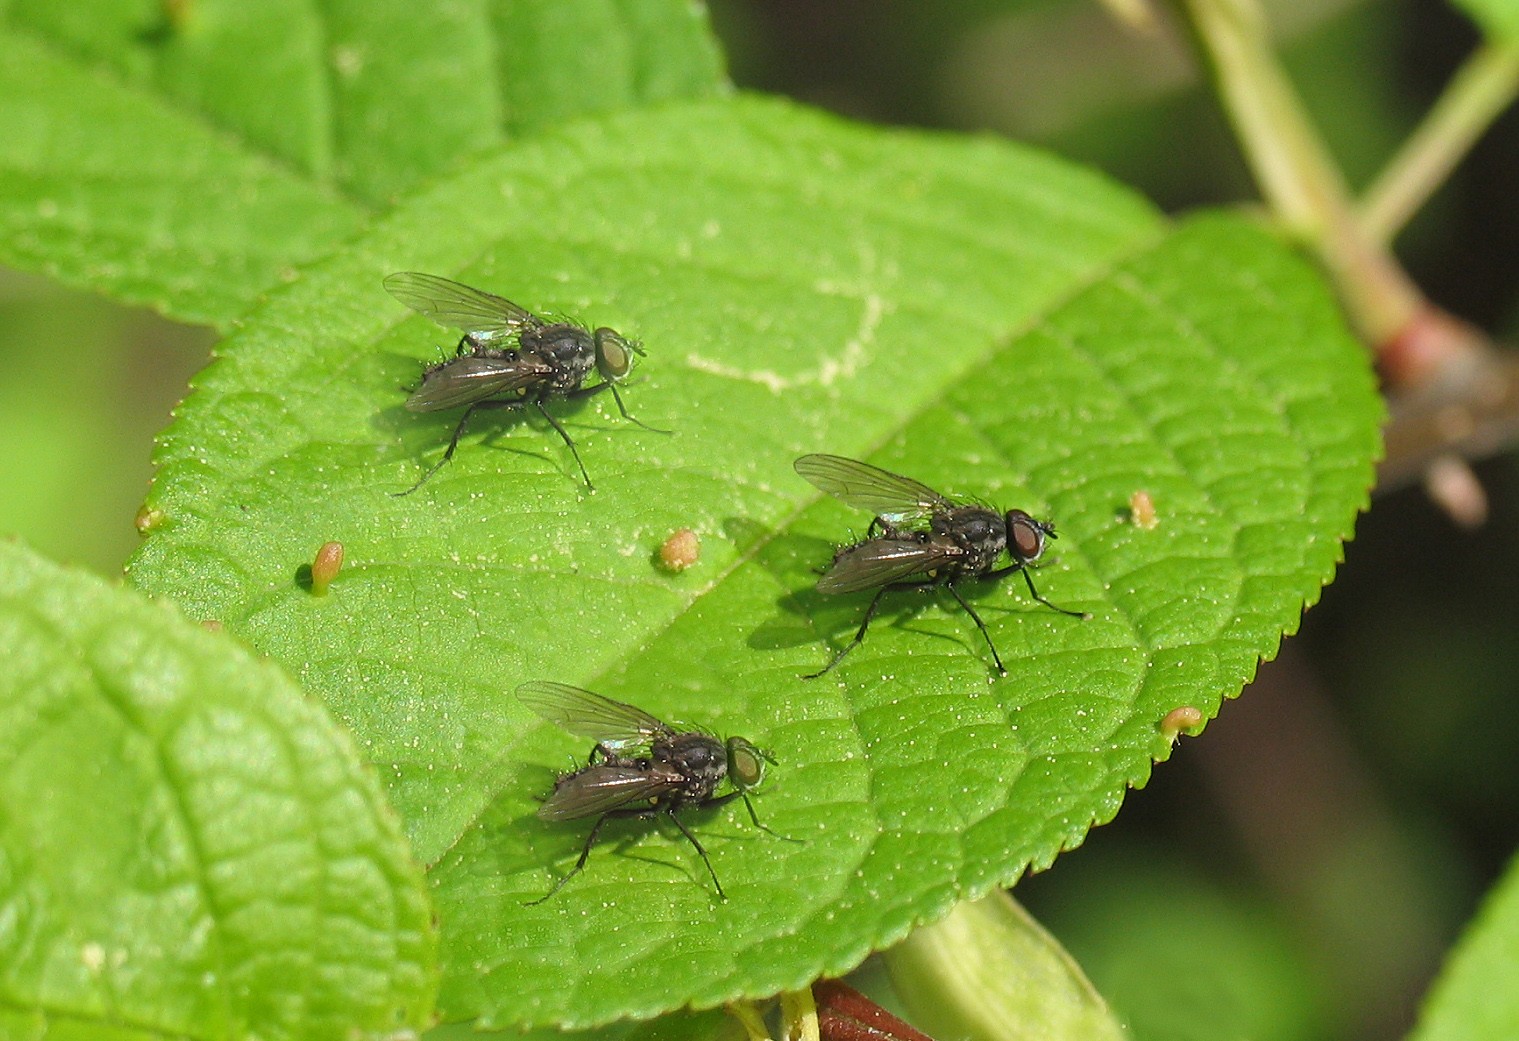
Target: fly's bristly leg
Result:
[[979, 625], [585, 854], [628, 416], [590, 840], [585, 392], [702, 852], [555, 424], [453, 442], [749, 805], [859, 636], [1029, 579]]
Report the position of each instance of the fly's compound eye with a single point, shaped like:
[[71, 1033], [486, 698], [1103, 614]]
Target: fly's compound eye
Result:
[[614, 355], [1026, 535], [746, 764]]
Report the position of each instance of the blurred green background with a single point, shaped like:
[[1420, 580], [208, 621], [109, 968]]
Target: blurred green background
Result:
[[1299, 871]]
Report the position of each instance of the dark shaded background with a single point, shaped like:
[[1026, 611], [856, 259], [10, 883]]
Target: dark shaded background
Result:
[[1297, 872]]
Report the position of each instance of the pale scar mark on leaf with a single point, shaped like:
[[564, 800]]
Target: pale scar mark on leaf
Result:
[[843, 365]]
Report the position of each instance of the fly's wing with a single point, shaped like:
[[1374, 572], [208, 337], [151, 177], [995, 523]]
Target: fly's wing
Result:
[[890, 496], [879, 562], [473, 377], [454, 305], [597, 789], [609, 723]]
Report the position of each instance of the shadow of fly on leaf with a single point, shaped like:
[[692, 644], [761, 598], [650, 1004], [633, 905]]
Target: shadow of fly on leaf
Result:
[[918, 539]]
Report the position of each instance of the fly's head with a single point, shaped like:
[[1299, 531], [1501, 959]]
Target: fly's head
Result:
[[614, 353], [1026, 536], [746, 763]]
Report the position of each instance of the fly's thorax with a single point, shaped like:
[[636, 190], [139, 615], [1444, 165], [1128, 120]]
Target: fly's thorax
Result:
[[699, 758], [1026, 536], [981, 533], [567, 349], [614, 353], [746, 763]]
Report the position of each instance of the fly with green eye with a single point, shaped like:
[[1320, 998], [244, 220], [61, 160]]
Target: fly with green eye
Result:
[[640, 767], [508, 357]]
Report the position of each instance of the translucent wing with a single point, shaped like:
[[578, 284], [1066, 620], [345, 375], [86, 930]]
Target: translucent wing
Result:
[[454, 305], [878, 562], [597, 789], [609, 723], [887, 495], [473, 377]]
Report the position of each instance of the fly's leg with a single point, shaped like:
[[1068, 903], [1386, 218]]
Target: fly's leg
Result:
[[555, 424], [700, 851], [625, 415], [859, 636], [979, 625], [585, 392], [453, 442], [1032, 591], [585, 853], [749, 805], [882, 526]]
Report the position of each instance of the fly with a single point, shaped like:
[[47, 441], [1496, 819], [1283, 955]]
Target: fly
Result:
[[640, 767], [508, 357], [918, 538]]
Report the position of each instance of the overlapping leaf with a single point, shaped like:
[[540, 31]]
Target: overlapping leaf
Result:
[[187, 155], [996, 323], [1472, 998], [188, 847]]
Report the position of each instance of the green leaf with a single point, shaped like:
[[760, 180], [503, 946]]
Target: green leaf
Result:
[[995, 322], [558, 60], [989, 971], [1474, 999], [185, 154], [371, 96], [188, 847], [103, 187], [1497, 18]]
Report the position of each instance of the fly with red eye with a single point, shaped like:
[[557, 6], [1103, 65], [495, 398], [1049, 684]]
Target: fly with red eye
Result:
[[919, 539]]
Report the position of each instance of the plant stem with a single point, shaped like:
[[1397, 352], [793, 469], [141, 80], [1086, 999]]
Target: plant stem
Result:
[[1483, 88], [799, 1016], [750, 1019], [1299, 180]]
